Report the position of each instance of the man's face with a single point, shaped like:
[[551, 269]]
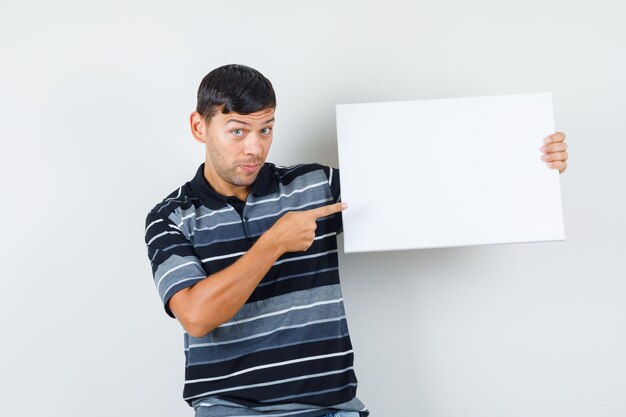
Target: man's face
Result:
[[237, 145]]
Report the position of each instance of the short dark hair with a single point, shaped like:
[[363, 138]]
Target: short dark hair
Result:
[[234, 88]]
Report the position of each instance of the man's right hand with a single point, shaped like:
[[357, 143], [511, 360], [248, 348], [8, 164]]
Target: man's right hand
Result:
[[295, 231]]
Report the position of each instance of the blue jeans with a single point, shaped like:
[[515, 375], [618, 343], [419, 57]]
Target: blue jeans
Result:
[[344, 414]]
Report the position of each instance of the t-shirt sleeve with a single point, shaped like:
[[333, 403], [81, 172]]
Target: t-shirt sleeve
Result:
[[175, 264], [332, 174], [333, 182]]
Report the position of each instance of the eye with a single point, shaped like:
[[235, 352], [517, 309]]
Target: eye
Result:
[[266, 130], [237, 132]]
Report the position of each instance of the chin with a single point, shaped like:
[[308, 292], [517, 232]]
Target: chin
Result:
[[244, 181]]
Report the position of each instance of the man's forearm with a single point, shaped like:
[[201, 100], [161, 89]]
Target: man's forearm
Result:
[[218, 297]]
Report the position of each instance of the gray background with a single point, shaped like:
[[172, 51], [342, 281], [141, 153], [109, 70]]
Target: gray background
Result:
[[94, 102]]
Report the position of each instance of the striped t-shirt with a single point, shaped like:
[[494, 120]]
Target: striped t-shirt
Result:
[[287, 351]]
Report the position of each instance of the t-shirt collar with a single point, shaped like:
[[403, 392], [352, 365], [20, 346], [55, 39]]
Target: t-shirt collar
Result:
[[264, 184]]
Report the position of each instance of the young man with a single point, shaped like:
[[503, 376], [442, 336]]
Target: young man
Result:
[[245, 257]]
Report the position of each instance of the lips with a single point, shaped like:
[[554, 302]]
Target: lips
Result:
[[249, 167]]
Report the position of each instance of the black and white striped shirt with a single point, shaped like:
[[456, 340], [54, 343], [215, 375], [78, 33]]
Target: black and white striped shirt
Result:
[[287, 352]]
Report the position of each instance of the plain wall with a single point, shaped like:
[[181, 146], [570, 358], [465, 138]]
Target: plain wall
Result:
[[94, 106]]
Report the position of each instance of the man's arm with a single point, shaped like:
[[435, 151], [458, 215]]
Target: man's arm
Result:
[[217, 298]]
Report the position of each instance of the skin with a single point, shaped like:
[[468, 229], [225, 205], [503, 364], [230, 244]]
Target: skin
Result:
[[554, 151], [236, 148]]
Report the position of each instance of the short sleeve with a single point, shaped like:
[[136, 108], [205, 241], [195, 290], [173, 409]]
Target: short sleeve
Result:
[[332, 174], [333, 182], [175, 264]]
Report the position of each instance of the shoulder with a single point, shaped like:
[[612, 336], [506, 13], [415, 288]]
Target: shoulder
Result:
[[173, 204], [287, 174]]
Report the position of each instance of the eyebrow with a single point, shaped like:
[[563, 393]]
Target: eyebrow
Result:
[[231, 120]]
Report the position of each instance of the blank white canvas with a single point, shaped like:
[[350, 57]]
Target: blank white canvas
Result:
[[447, 172]]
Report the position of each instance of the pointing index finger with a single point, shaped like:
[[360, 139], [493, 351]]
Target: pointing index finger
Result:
[[327, 210]]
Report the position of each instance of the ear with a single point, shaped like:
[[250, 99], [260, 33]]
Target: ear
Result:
[[198, 127]]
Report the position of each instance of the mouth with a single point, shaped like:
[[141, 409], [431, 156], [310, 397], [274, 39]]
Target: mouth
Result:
[[249, 167]]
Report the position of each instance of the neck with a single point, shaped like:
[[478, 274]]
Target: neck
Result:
[[222, 187]]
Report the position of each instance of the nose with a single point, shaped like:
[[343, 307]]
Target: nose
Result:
[[252, 144]]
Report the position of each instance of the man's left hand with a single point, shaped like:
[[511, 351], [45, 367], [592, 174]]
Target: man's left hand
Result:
[[554, 151]]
